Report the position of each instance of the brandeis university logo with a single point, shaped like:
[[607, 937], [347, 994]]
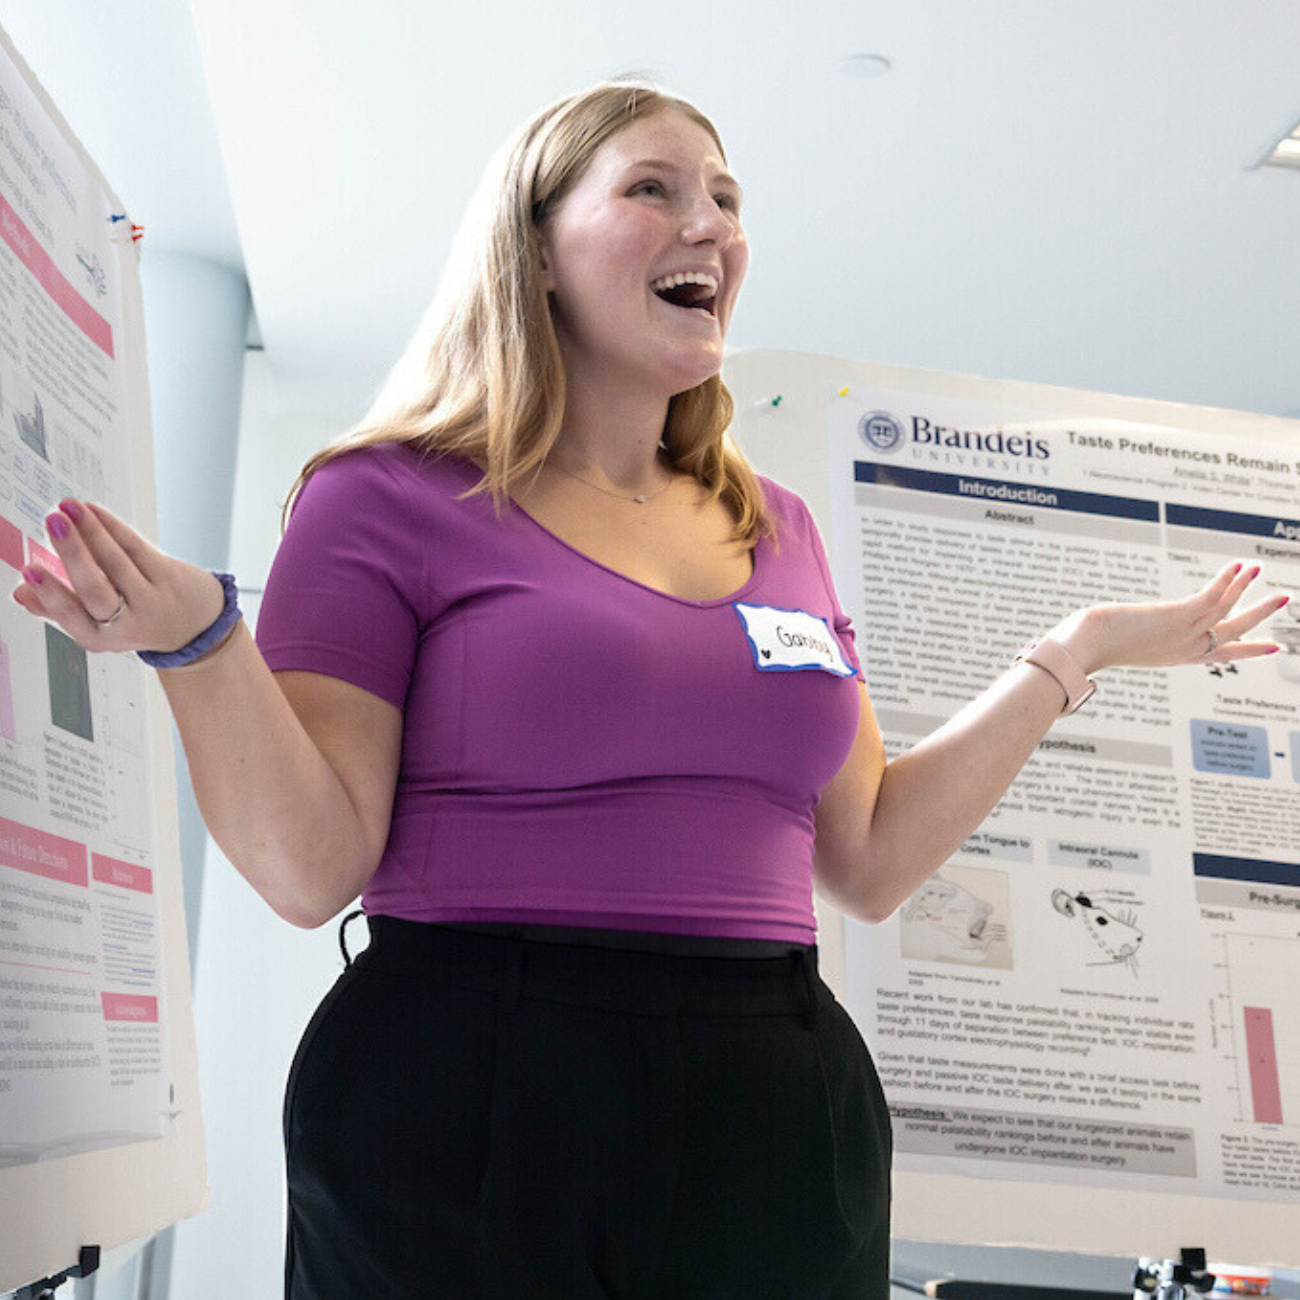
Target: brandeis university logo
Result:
[[880, 431]]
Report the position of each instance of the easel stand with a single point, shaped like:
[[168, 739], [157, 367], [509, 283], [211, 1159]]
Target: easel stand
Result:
[[1165, 1279], [87, 1263]]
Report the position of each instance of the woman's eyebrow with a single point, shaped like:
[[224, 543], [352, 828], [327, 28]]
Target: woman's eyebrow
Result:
[[662, 164]]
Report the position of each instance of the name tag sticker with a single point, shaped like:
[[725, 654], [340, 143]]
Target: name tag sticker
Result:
[[791, 641]]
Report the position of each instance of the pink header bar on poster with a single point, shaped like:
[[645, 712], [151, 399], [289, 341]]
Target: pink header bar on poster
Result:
[[129, 1006], [30, 253], [35, 551], [113, 871], [41, 854], [11, 545]]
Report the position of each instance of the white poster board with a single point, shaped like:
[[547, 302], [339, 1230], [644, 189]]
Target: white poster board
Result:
[[1088, 1023], [100, 1134]]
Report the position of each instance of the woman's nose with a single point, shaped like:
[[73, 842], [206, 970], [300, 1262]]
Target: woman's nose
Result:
[[707, 216]]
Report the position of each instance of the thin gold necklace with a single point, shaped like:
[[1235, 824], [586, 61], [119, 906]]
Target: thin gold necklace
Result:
[[641, 499]]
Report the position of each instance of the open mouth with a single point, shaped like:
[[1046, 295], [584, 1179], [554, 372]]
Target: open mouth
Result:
[[689, 297]]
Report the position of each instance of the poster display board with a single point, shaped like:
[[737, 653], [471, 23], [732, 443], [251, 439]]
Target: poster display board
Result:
[[1102, 987], [1090, 1015], [99, 1132]]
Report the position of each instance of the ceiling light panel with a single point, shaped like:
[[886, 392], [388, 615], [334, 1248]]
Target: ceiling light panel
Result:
[[1287, 151]]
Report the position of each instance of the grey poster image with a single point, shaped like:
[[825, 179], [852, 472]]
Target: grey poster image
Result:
[[960, 915], [31, 428], [69, 675], [1108, 932]]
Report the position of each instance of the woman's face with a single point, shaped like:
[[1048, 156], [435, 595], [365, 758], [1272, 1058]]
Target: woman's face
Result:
[[626, 224]]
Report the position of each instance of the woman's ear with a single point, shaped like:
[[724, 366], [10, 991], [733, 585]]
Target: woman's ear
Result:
[[544, 258]]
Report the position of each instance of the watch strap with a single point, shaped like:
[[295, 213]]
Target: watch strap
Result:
[[1052, 657]]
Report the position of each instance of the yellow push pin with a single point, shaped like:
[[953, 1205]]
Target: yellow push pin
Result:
[[844, 392]]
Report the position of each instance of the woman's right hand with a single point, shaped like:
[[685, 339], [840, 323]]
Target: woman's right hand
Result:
[[168, 602]]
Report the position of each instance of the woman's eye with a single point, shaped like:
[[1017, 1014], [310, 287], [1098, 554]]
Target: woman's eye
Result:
[[722, 198]]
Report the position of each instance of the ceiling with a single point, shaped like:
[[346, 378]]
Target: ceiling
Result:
[[1063, 192]]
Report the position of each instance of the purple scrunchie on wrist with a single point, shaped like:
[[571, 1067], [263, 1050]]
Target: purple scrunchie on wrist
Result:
[[206, 639]]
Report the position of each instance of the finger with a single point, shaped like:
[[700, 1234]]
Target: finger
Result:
[[1237, 587], [1233, 577], [1231, 629], [24, 595], [140, 552], [121, 567], [60, 605], [94, 589], [1244, 650], [1213, 603], [1207, 599]]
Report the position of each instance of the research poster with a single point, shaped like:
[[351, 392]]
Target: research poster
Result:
[[83, 1038], [1102, 986]]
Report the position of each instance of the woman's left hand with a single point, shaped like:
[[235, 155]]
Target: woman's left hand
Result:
[[1173, 632]]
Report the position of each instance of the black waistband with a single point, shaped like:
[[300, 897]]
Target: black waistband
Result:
[[695, 979], [683, 945], [686, 945]]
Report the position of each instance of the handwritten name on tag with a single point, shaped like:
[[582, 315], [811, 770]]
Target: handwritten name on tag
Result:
[[791, 640]]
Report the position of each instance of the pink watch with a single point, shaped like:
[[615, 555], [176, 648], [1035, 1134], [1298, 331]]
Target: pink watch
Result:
[[1054, 658]]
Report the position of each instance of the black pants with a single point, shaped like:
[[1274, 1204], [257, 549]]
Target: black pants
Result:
[[488, 1117]]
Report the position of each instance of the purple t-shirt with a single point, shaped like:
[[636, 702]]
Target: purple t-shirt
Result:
[[578, 748]]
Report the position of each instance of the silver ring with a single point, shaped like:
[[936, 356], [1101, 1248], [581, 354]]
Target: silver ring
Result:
[[1214, 645], [113, 617]]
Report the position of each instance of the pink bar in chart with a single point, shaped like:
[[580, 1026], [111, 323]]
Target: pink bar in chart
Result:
[[1261, 1057]]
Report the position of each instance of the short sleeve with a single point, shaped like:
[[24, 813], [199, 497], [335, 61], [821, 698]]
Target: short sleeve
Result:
[[843, 624], [346, 594]]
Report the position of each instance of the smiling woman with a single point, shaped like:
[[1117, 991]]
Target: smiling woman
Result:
[[613, 234], [598, 746]]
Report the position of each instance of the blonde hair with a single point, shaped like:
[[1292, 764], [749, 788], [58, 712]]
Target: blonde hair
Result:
[[483, 375]]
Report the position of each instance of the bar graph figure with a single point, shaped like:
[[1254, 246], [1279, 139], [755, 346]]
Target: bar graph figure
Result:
[[1263, 985], [1261, 1060]]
